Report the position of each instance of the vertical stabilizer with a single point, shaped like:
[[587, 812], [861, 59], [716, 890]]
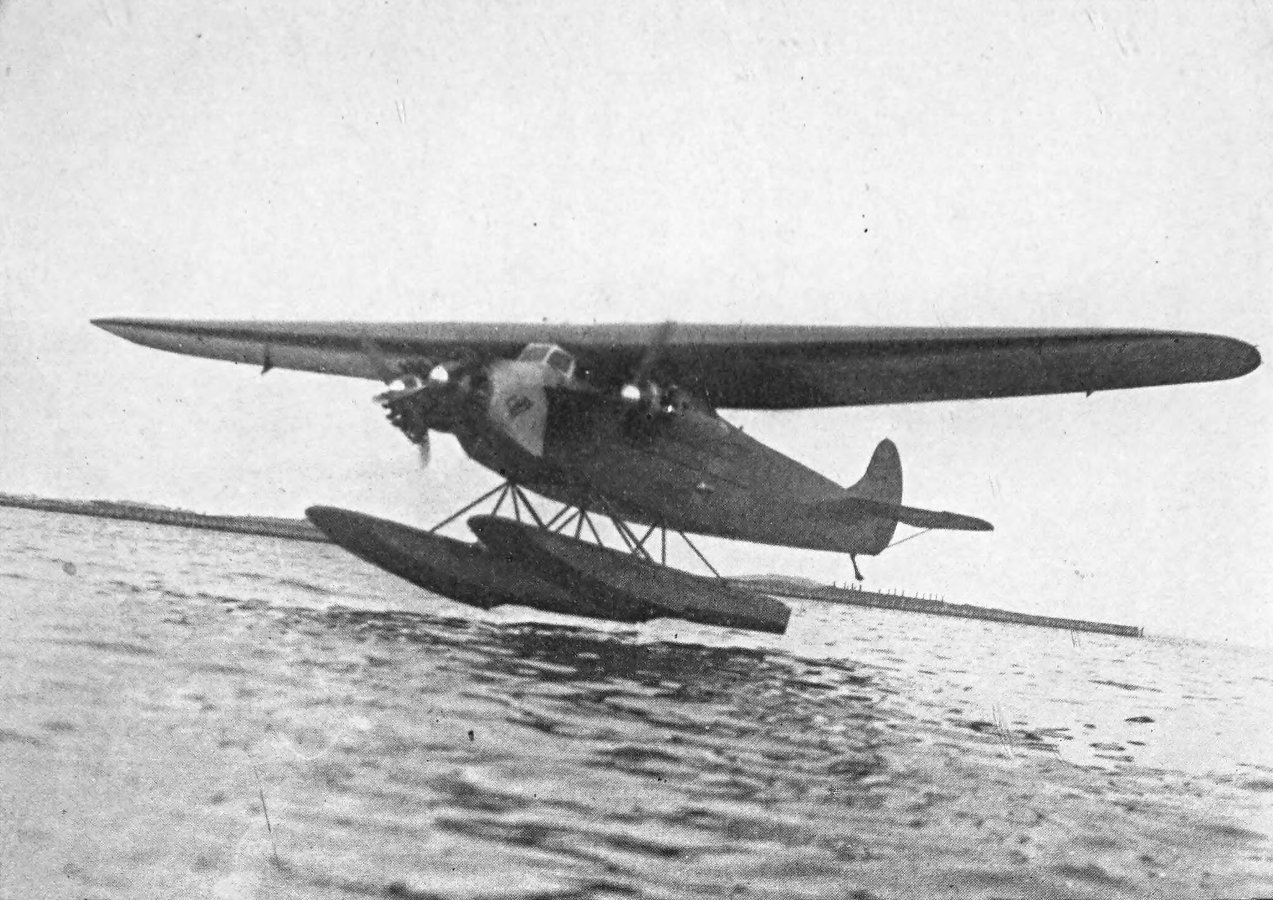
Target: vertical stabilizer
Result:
[[883, 478], [873, 507], [882, 483]]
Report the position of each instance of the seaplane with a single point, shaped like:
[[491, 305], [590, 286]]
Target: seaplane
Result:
[[623, 422]]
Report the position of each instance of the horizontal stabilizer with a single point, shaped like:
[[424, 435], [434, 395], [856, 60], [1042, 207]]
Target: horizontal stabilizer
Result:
[[907, 515]]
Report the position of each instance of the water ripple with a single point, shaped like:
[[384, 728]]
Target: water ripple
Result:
[[405, 747]]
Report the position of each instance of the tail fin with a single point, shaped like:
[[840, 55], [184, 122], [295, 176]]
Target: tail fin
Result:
[[879, 489], [883, 478], [876, 501]]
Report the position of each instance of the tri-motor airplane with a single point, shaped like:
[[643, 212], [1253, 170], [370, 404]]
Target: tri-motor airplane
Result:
[[622, 421]]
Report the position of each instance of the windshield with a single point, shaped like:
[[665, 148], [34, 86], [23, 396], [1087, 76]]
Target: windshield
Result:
[[562, 361], [551, 355]]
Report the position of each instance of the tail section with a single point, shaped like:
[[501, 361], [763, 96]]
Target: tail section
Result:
[[874, 505], [880, 487], [883, 478]]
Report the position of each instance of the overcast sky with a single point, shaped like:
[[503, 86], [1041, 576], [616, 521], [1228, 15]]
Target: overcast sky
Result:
[[989, 164]]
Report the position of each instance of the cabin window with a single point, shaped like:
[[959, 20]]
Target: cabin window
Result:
[[562, 361], [550, 355], [535, 353]]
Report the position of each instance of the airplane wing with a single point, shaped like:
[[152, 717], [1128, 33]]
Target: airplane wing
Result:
[[739, 366]]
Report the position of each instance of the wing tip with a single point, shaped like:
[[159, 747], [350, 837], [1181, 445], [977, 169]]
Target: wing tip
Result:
[[1217, 357], [128, 329], [1246, 357]]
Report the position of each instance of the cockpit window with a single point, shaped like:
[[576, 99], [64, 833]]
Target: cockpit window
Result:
[[551, 355], [535, 352], [562, 361]]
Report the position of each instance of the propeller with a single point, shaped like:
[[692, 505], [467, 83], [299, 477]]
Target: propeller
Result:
[[639, 388], [403, 388], [385, 370], [423, 451], [654, 350]]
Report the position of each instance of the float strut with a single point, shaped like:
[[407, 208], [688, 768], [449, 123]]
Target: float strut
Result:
[[593, 528], [701, 557], [635, 547], [558, 518], [482, 499], [519, 493]]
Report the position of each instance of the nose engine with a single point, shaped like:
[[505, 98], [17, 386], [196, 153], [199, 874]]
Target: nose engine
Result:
[[416, 404], [506, 396]]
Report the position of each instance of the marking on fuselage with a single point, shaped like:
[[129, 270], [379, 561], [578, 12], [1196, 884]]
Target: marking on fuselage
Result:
[[518, 405]]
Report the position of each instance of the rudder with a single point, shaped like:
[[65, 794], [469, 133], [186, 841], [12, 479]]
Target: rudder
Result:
[[882, 483], [883, 478], [874, 507]]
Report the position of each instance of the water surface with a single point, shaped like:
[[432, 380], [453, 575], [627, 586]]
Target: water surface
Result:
[[166, 691]]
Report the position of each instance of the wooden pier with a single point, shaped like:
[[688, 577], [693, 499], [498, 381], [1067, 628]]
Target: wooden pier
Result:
[[291, 529], [905, 603]]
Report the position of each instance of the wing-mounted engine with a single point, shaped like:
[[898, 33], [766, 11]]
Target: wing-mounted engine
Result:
[[650, 393], [651, 401], [645, 397]]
